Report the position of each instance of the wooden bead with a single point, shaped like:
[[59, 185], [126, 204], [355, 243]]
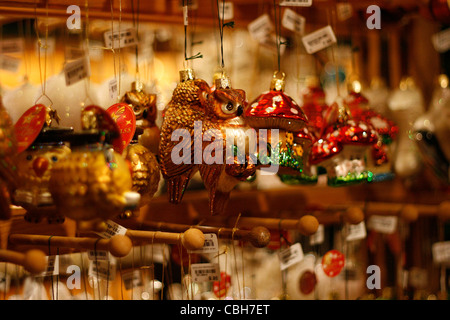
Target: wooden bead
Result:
[[444, 210], [353, 215], [120, 245], [193, 239], [409, 213], [259, 237], [308, 225], [35, 261]]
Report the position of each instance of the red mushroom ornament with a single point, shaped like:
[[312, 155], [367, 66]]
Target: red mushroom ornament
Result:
[[277, 110], [342, 147], [379, 155]]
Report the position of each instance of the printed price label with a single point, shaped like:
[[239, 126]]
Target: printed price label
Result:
[[293, 21], [290, 256], [122, 39], [73, 53], [318, 237], [12, 45], [204, 272], [356, 231], [5, 281], [211, 244], [77, 70], [132, 279], [441, 40], [112, 229], [261, 28], [296, 3], [441, 252], [382, 224], [319, 39], [98, 255], [226, 10], [9, 63], [113, 89], [102, 270], [344, 11], [52, 266]]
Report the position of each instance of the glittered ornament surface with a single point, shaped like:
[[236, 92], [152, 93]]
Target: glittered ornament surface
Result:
[[29, 125], [203, 117], [124, 116], [275, 109]]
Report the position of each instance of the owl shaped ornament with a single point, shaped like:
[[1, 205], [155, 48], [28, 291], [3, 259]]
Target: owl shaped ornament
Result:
[[93, 184], [194, 138], [144, 166], [145, 111], [8, 169], [40, 147]]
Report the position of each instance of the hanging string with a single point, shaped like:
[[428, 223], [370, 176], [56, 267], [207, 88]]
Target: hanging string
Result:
[[277, 32], [221, 27], [120, 66], [234, 255], [42, 77], [87, 81], [185, 13], [333, 57], [136, 26]]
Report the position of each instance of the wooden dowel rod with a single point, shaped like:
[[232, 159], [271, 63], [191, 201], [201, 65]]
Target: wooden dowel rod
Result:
[[118, 245], [258, 236], [191, 239], [307, 225], [33, 261]]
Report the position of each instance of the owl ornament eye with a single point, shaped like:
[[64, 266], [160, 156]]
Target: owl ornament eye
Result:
[[229, 108]]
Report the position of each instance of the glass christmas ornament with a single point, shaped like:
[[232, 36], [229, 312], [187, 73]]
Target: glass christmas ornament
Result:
[[201, 118], [379, 155], [93, 183], [342, 147], [40, 147], [8, 169], [145, 111], [277, 110], [432, 129], [143, 164], [406, 104]]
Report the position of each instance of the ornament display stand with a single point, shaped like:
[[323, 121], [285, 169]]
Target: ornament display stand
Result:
[[33, 261], [258, 236]]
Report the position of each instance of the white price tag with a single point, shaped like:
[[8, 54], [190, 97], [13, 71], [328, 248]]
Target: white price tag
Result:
[[98, 255], [122, 39], [441, 252], [260, 28], [318, 237], [441, 40], [293, 21], [102, 270], [296, 3], [12, 45], [344, 11], [204, 272], [356, 231], [132, 279], [226, 10], [112, 229], [52, 266], [8, 63], [290, 256], [77, 70], [73, 53], [211, 244], [5, 281], [382, 224], [113, 88], [185, 15], [319, 39]]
